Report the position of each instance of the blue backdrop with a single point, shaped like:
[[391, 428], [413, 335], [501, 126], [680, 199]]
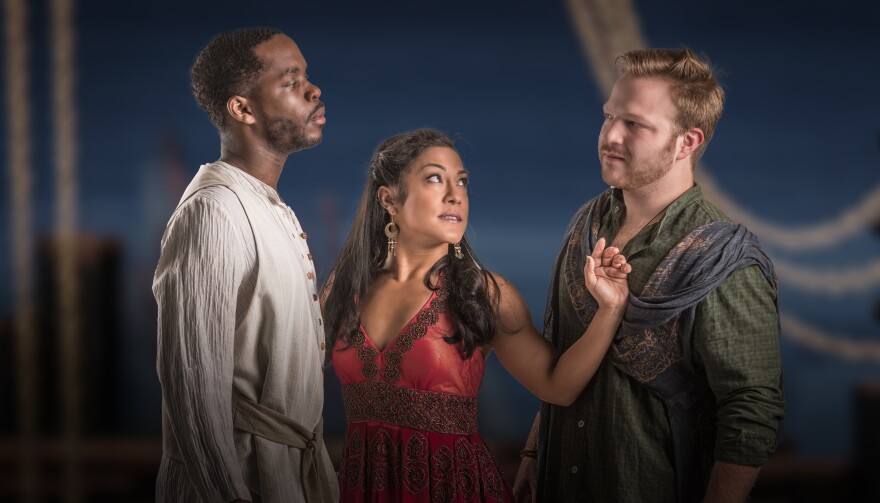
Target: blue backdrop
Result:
[[797, 146]]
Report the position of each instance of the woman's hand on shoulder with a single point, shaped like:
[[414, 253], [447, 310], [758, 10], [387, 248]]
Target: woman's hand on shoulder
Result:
[[606, 275]]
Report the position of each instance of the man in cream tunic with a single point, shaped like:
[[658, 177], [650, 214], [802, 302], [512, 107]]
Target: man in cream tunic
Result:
[[241, 340]]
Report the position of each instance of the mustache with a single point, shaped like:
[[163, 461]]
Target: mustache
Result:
[[605, 149], [318, 107]]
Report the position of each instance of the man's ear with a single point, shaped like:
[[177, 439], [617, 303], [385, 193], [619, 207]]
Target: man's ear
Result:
[[239, 108], [691, 141], [388, 199]]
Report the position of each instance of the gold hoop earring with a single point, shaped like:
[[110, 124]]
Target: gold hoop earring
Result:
[[391, 232], [458, 254]]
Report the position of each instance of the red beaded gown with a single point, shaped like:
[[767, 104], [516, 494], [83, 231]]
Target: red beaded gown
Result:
[[412, 417]]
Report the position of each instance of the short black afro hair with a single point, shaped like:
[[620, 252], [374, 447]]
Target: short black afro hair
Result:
[[226, 67]]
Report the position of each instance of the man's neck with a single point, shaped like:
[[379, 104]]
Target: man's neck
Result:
[[646, 203], [257, 161], [645, 206]]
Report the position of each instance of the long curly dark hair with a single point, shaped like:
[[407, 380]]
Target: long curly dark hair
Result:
[[473, 312]]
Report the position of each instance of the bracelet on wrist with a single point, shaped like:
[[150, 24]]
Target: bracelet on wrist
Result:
[[528, 453]]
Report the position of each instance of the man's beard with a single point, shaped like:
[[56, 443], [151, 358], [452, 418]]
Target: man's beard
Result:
[[653, 168], [286, 136]]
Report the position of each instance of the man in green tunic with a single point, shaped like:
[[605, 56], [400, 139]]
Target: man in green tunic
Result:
[[687, 409]]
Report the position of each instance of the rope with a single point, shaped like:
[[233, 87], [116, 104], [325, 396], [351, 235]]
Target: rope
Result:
[[20, 168], [68, 285], [606, 28], [854, 280], [823, 342], [826, 234]]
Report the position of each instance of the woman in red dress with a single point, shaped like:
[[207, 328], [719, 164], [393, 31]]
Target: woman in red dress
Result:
[[412, 316]]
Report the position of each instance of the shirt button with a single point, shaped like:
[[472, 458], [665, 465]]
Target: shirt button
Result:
[[310, 275], [574, 469], [320, 321], [616, 209], [315, 297], [322, 346], [581, 423], [310, 256], [303, 235]]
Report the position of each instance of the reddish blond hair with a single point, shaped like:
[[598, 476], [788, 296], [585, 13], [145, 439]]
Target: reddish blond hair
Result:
[[696, 94]]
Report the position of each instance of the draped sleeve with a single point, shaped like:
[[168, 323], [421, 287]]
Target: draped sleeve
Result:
[[201, 267]]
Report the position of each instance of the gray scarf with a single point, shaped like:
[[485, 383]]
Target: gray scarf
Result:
[[653, 344]]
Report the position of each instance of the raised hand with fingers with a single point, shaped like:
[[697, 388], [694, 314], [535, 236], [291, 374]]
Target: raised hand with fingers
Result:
[[605, 275]]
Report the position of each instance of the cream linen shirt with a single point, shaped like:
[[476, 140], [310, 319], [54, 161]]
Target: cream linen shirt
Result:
[[238, 311]]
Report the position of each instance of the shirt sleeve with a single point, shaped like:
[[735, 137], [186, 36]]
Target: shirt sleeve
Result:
[[199, 272], [736, 340]]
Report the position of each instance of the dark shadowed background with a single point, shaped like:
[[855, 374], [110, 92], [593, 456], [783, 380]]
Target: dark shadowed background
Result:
[[795, 156]]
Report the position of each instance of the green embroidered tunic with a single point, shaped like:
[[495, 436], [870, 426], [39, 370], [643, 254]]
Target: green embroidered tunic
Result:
[[614, 443]]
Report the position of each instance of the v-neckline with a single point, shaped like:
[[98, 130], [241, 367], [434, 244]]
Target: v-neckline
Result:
[[402, 330]]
